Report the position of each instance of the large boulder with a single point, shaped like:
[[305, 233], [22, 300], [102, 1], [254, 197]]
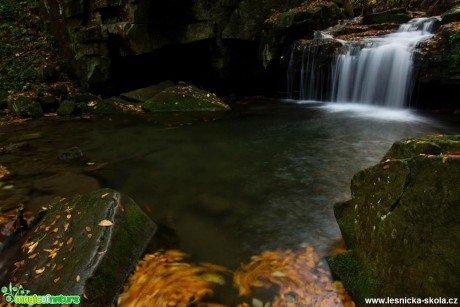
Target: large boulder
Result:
[[85, 245], [145, 93], [184, 97], [402, 225]]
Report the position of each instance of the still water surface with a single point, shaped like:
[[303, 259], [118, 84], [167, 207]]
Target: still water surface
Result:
[[224, 187]]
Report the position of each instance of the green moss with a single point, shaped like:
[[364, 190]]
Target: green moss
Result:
[[360, 282], [25, 107], [454, 55], [25, 52], [391, 16], [428, 145], [184, 98], [344, 215], [9, 10], [67, 107]]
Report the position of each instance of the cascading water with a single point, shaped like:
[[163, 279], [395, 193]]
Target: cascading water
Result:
[[374, 71]]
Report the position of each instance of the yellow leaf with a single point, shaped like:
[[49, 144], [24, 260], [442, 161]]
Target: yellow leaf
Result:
[[32, 247], [40, 270], [105, 223], [104, 195]]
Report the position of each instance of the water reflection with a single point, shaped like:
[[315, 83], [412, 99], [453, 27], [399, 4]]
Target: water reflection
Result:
[[263, 178]]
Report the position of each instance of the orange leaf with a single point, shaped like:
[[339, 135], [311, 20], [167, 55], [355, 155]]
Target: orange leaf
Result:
[[105, 223]]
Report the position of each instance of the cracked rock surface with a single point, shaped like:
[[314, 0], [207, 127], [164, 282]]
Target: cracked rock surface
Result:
[[402, 225]]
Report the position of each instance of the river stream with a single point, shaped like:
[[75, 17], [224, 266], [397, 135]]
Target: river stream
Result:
[[223, 186]]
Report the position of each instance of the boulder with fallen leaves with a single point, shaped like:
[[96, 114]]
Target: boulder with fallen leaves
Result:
[[84, 245]]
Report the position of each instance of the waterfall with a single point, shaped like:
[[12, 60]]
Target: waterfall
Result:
[[377, 70]]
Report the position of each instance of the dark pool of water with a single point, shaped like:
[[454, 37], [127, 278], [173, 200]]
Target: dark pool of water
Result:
[[226, 186]]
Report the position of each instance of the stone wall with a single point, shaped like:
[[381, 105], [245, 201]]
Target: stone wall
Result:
[[110, 41]]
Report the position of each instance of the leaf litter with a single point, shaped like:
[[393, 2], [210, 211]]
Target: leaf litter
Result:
[[291, 278]]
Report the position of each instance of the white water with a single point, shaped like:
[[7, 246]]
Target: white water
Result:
[[380, 72], [376, 71]]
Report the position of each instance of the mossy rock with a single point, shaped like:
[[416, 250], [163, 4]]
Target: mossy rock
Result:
[[24, 106], [184, 98], [390, 16], [85, 246], [67, 107], [361, 282], [428, 145], [306, 13], [107, 107], [145, 93], [85, 98], [452, 15], [402, 224]]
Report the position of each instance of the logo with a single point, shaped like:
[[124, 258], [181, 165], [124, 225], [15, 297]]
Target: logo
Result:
[[19, 295]]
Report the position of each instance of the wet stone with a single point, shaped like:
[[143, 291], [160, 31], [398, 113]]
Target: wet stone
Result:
[[71, 155], [84, 246]]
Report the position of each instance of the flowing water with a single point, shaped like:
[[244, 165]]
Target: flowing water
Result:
[[376, 70], [263, 178], [223, 187]]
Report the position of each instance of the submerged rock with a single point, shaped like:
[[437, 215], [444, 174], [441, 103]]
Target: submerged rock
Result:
[[84, 246], [185, 97], [402, 225]]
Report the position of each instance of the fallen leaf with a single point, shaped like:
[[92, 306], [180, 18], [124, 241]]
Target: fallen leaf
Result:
[[88, 229], [77, 278], [104, 195], [386, 166], [32, 247], [69, 241], [90, 236], [56, 279], [40, 270], [105, 223], [66, 226]]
